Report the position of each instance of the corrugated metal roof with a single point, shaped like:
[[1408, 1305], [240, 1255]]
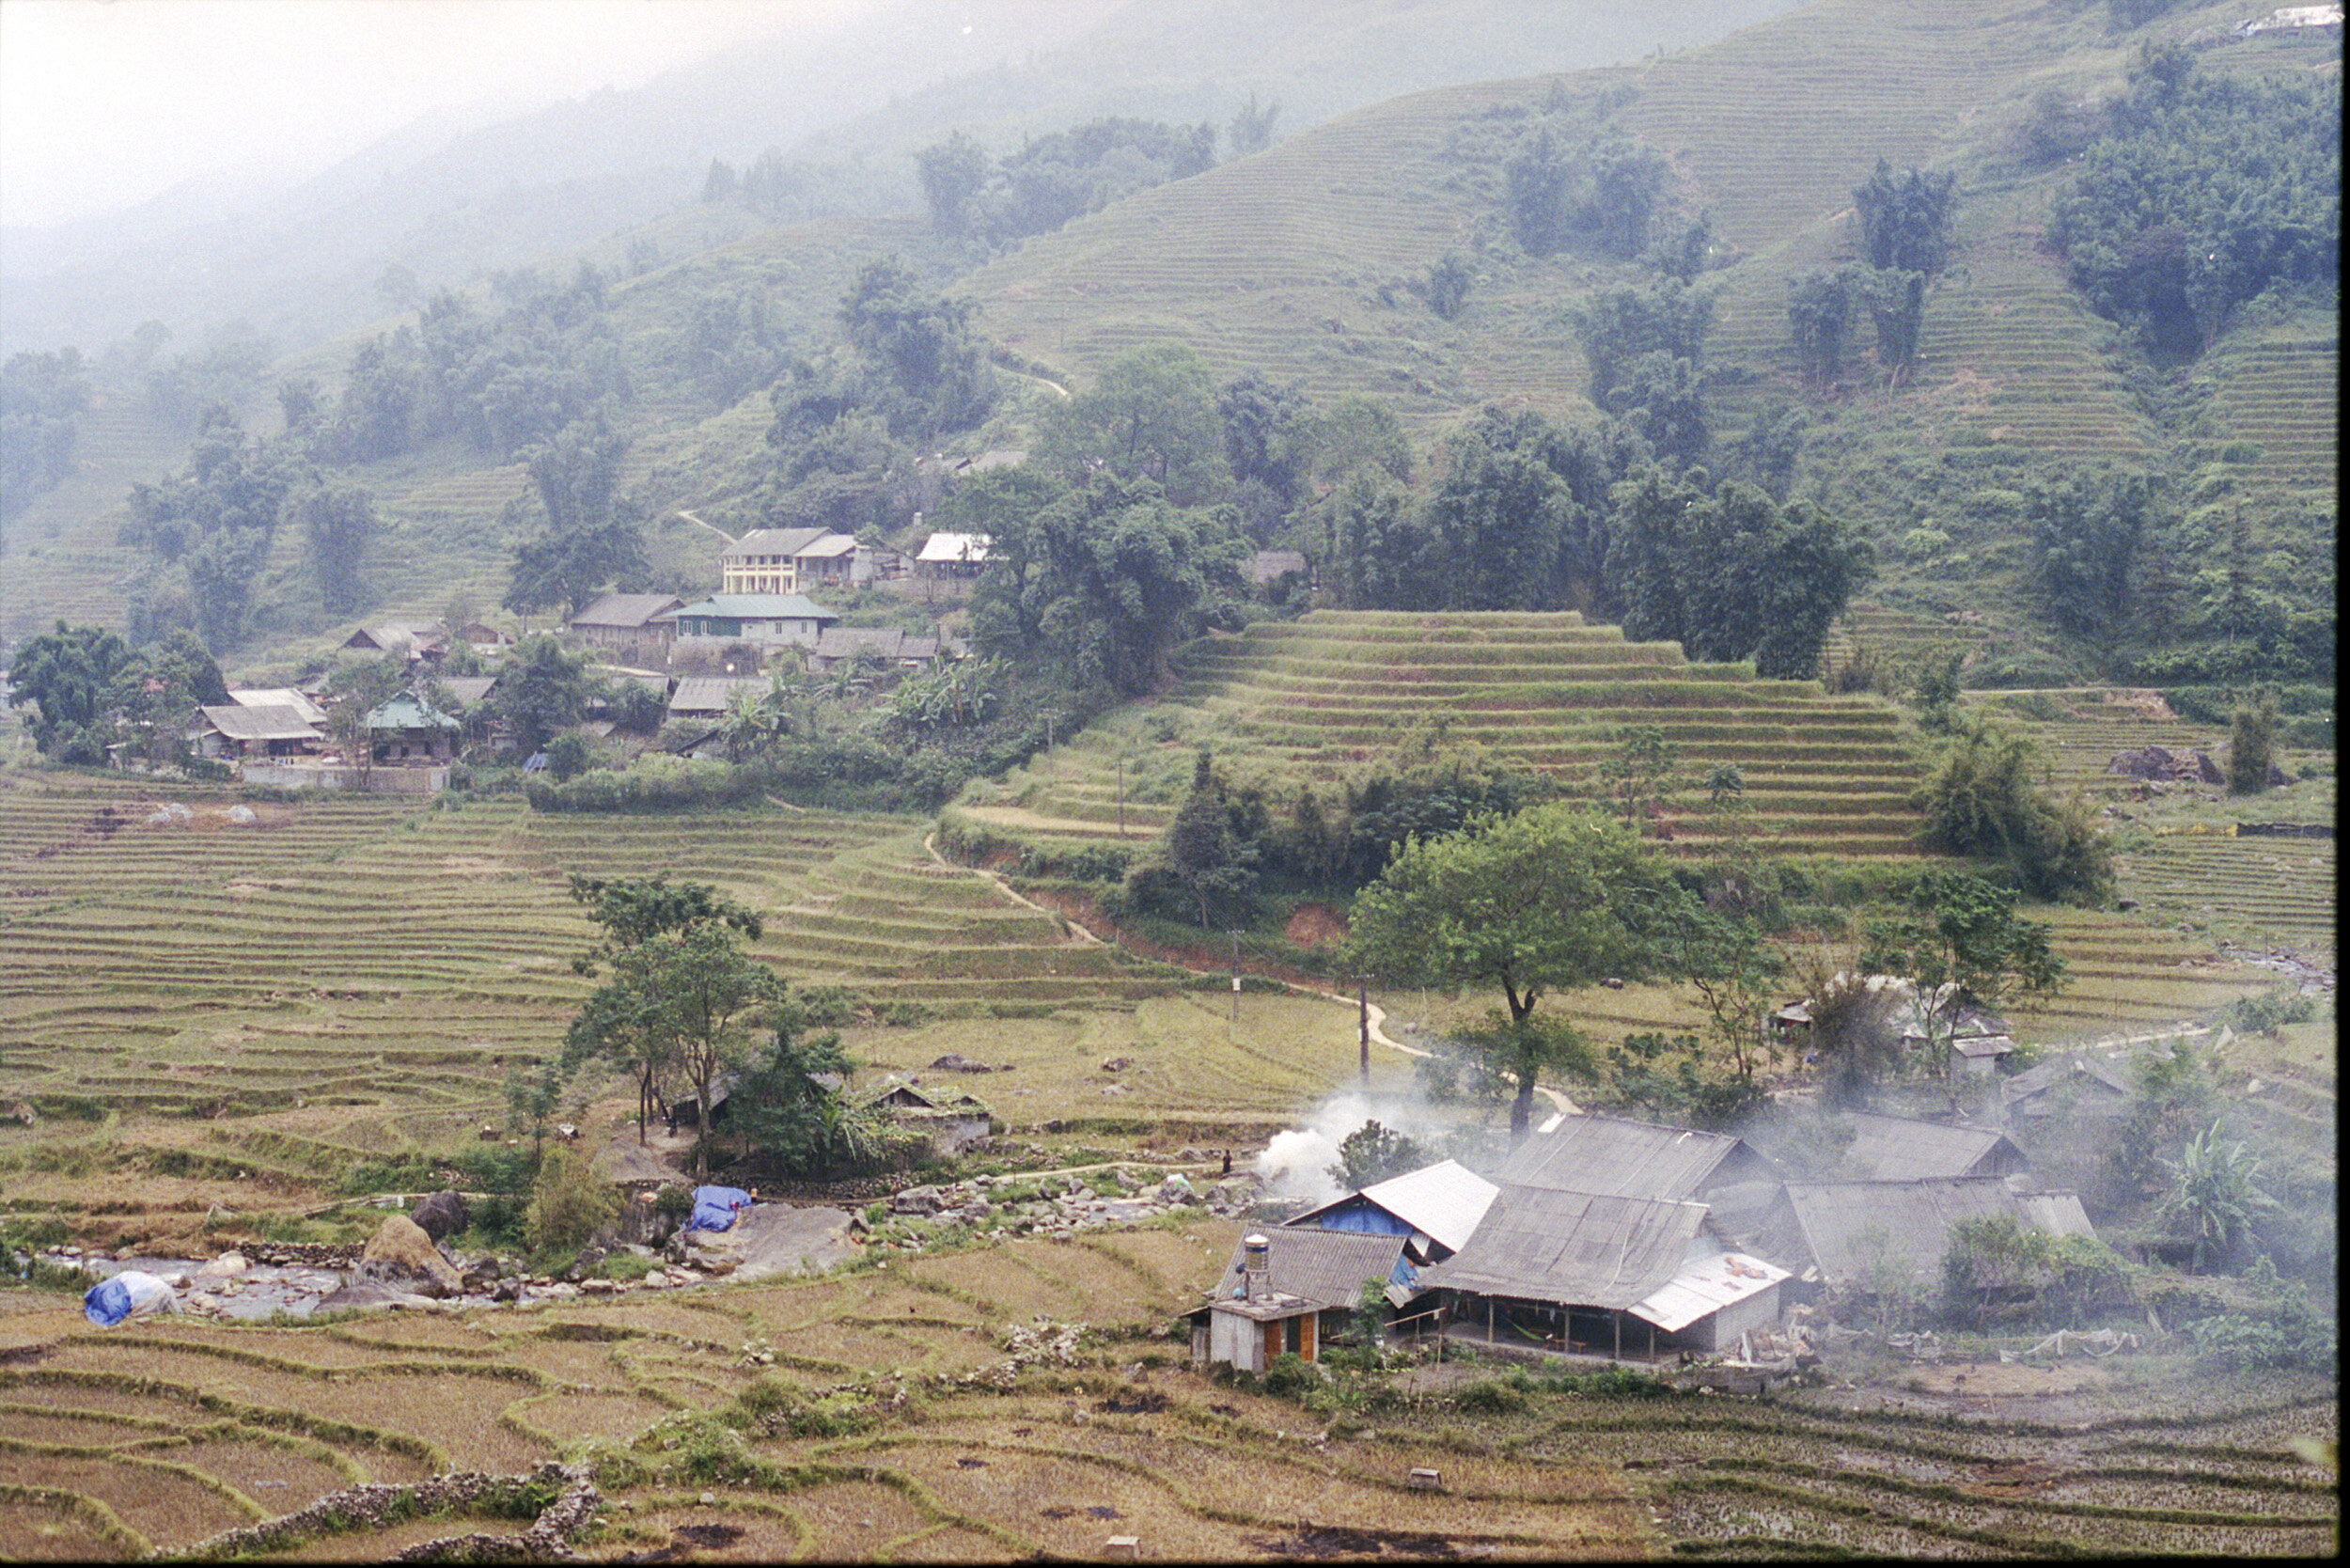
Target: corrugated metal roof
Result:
[[280, 697], [1614, 1155], [1709, 1280], [406, 711], [466, 690], [628, 611], [760, 606], [1327, 1267], [1848, 1227], [954, 547], [710, 693], [1897, 1149], [772, 542], [1542, 1244], [275, 723], [1446, 1201]]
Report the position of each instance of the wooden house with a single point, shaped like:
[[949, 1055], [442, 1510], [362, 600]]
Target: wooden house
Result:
[[952, 1122], [1899, 1148], [232, 732], [628, 620], [2077, 1084], [1613, 1276]]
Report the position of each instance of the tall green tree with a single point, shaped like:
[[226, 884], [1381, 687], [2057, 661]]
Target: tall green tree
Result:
[[1152, 415], [1105, 582], [72, 679], [337, 523], [931, 368], [1906, 219], [1550, 899], [688, 1002], [2088, 531], [542, 690], [1961, 940]]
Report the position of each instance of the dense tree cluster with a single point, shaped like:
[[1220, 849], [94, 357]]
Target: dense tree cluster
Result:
[[2207, 191], [1065, 174], [89, 692], [43, 397], [1567, 182], [503, 380]]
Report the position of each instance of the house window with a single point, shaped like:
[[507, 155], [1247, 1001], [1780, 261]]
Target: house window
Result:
[[1292, 1332]]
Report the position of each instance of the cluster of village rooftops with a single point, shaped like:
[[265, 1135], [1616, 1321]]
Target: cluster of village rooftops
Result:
[[279, 735], [1623, 1239]]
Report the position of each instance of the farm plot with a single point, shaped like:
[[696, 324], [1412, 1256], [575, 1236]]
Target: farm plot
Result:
[[1299, 703]]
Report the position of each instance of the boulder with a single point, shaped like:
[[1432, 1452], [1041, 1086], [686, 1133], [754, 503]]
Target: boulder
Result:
[[400, 1251], [441, 1215], [916, 1201]]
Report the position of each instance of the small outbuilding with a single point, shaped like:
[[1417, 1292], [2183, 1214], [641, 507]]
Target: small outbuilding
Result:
[[1288, 1291]]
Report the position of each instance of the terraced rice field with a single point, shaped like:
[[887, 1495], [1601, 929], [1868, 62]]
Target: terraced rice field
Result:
[[159, 1434], [333, 946], [2183, 860], [1307, 701]]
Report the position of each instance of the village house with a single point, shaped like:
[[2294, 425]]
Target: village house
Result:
[[1898, 1149], [763, 620], [791, 561], [701, 698], [950, 1123], [1615, 1157], [629, 621], [413, 640], [2074, 1085], [408, 729], [1611, 1275], [946, 566], [887, 644], [232, 732], [1290, 1291], [1435, 1210], [1873, 1235], [282, 697]]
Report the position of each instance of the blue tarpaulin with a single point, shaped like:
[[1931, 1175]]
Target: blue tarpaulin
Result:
[[714, 1207], [110, 1301]]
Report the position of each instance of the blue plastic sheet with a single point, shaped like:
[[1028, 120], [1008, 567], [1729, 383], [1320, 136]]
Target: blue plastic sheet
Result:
[[110, 1301], [714, 1208]]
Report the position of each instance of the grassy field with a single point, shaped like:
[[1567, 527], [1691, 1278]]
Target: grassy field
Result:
[[890, 1425]]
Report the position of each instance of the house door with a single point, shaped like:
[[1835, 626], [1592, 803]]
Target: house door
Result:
[[1272, 1342]]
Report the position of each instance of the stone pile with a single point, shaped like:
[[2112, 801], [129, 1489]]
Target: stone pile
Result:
[[1060, 1205]]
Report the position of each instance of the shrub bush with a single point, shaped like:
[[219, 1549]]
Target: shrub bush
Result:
[[569, 1204]]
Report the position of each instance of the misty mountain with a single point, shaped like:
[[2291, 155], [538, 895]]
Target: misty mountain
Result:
[[450, 198]]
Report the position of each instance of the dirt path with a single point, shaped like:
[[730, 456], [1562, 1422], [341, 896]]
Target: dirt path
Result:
[[1378, 1014]]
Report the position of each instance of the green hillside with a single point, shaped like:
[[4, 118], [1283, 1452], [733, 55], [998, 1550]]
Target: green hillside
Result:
[[1302, 702]]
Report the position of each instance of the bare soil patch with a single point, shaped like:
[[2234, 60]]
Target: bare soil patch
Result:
[[1316, 925]]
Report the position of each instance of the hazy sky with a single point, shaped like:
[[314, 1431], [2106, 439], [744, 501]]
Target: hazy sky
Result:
[[106, 102]]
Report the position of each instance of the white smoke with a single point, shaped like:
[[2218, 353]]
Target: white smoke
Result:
[[1296, 1164]]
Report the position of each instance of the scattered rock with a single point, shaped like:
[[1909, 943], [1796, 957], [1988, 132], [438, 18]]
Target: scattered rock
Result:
[[441, 1214], [1118, 1064]]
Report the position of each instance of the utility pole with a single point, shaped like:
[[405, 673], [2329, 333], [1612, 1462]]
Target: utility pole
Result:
[[1362, 1002], [1236, 978], [1122, 797]]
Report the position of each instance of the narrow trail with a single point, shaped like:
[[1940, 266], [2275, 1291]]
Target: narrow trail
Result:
[[713, 528], [1378, 1014]]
